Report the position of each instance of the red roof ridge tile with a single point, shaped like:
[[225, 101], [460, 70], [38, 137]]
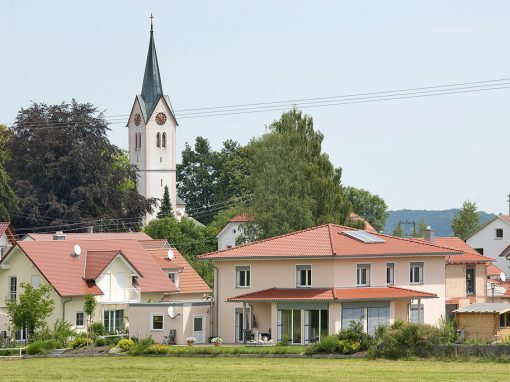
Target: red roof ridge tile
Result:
[[333, 251], [416, 240]]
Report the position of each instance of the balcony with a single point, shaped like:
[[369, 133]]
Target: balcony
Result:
[[120, 296]]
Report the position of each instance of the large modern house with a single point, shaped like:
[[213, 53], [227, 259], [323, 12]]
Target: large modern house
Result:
[[133, 285], [314, 282]]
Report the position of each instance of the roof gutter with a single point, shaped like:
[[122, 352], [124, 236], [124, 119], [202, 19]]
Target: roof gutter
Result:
[[64, 302]]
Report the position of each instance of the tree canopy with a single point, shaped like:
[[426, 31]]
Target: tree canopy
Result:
[[466, 221], [371, 207], [8, 199], [64, 169], [294, 184]]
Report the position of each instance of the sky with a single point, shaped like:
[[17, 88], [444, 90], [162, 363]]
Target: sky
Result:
[[420, 153]]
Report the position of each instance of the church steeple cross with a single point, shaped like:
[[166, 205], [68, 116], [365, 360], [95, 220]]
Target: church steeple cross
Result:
[[151, 21]]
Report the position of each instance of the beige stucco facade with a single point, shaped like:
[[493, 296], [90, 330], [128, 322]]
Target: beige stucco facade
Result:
[[326, 273], [455, 283]]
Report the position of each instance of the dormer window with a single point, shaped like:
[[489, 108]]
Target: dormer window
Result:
[[174, 276]]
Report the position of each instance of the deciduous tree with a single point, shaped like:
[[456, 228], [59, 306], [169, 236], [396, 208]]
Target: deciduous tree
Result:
[[370, 207], [466, 220]]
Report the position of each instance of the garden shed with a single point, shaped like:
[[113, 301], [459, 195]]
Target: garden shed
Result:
[[487, 321]]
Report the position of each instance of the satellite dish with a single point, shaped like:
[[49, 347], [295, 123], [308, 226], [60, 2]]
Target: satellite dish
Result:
[[170, 254], [77, 250], [502, 276], [171, 312]]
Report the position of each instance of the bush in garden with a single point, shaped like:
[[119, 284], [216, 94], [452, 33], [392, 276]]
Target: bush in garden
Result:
[[98, 329], [349, 346], [37, 347], [126, 344], [355, 333], [141, 346], [100, 342], [62, 331], [79, 342], [156, 349]]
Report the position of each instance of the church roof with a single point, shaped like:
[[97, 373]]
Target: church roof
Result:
[[151, 88]]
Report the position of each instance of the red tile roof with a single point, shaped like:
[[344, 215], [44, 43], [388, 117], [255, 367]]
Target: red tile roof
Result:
[[469, 255], [92, 236], [339, 294], [493, 270], [327, 241], [505, 218], [5, 227], [66, 272], [242, 218], [154, 244], [189, 280], [98, 261]]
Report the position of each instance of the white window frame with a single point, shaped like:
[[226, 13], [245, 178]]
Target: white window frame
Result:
[[237, 280], [421, 272], [175, 274], [82, 320], [496, 237], [152, 322], [391, 267], [415, 306], [37, 278], [308, 276], [13, 295], [367, 268]]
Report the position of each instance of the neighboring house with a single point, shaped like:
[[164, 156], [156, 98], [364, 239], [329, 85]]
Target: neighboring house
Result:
[[7, 237], [123, 274], [493, 272], [233, 229], [366, 225], [314, 282], [498, 290], [484, 321], [493, 240]]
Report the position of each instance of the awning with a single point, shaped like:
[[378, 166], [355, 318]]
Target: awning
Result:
[[333, 294]]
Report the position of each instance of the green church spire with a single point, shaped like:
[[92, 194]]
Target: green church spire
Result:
[[151, 88]]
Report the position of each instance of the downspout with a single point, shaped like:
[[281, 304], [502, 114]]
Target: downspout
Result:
[[216, 299], [64, 308]]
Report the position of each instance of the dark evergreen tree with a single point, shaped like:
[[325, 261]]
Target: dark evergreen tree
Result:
[[165, 209]]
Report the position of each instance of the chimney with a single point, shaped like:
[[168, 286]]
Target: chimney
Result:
[[428, 234], [59, 235], [90, 229]]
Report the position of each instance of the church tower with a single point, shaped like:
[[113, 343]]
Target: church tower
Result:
[[152, 129]]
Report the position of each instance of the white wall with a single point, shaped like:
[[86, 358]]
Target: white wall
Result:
[[229, 234], [492, 247]]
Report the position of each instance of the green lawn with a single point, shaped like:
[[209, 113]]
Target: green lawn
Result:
[[246, 369]]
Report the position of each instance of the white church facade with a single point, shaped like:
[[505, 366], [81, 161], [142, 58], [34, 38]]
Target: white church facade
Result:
[[152, 133]]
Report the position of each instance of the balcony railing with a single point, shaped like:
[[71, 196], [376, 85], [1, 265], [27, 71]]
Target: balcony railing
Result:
[[124, 295]]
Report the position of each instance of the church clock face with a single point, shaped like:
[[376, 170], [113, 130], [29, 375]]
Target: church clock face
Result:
[[138, 119], [160, 118]]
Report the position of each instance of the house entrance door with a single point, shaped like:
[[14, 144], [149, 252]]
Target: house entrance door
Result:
[[199, 329]]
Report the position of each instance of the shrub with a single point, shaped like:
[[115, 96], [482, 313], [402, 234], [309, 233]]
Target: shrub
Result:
[[79, 342], [100, 342], [327, 344], [98, 329], [156, 349], [348, 346], [62, 331], [448, 330], [284, 341], [126, 344], [53, 344], [37, 347], [217, 340], [141, 346], [355, 333]]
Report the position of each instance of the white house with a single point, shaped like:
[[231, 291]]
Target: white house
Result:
[[493, 240], [7, 237], [233, 229]]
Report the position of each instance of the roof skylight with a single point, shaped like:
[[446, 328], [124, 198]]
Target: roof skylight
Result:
[[364, 236]]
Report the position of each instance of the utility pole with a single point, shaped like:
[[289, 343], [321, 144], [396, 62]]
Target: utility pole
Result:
[[412, 223]]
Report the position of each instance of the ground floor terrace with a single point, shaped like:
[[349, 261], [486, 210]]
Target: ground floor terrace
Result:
[[303, 316], [252, 369]]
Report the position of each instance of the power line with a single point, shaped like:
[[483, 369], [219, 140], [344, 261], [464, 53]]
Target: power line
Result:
[[398, 94]]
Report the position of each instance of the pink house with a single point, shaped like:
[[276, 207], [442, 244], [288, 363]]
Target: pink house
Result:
[[314, 282]]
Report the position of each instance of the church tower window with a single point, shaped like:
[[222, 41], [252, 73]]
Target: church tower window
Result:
[[158, 140], [163, 141]]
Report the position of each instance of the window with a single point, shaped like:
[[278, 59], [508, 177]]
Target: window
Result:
[[470, 281], [79, 319], [390, 273], [113, 320], [479, 250], [242, 277], [174, 276], [156, 322], [139, 140], [163, 140], [158, 140], [316, 325], [504, 320], [35, 281], [13, 287], [413, 314], [289, 325], [499, 233], [303, 276], [416, 273], [363, 275]]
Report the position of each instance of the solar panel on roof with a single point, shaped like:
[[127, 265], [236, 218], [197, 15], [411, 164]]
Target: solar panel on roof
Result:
[[364, 236]]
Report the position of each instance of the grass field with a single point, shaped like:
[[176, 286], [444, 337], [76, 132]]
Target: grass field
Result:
[[251, 369]]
